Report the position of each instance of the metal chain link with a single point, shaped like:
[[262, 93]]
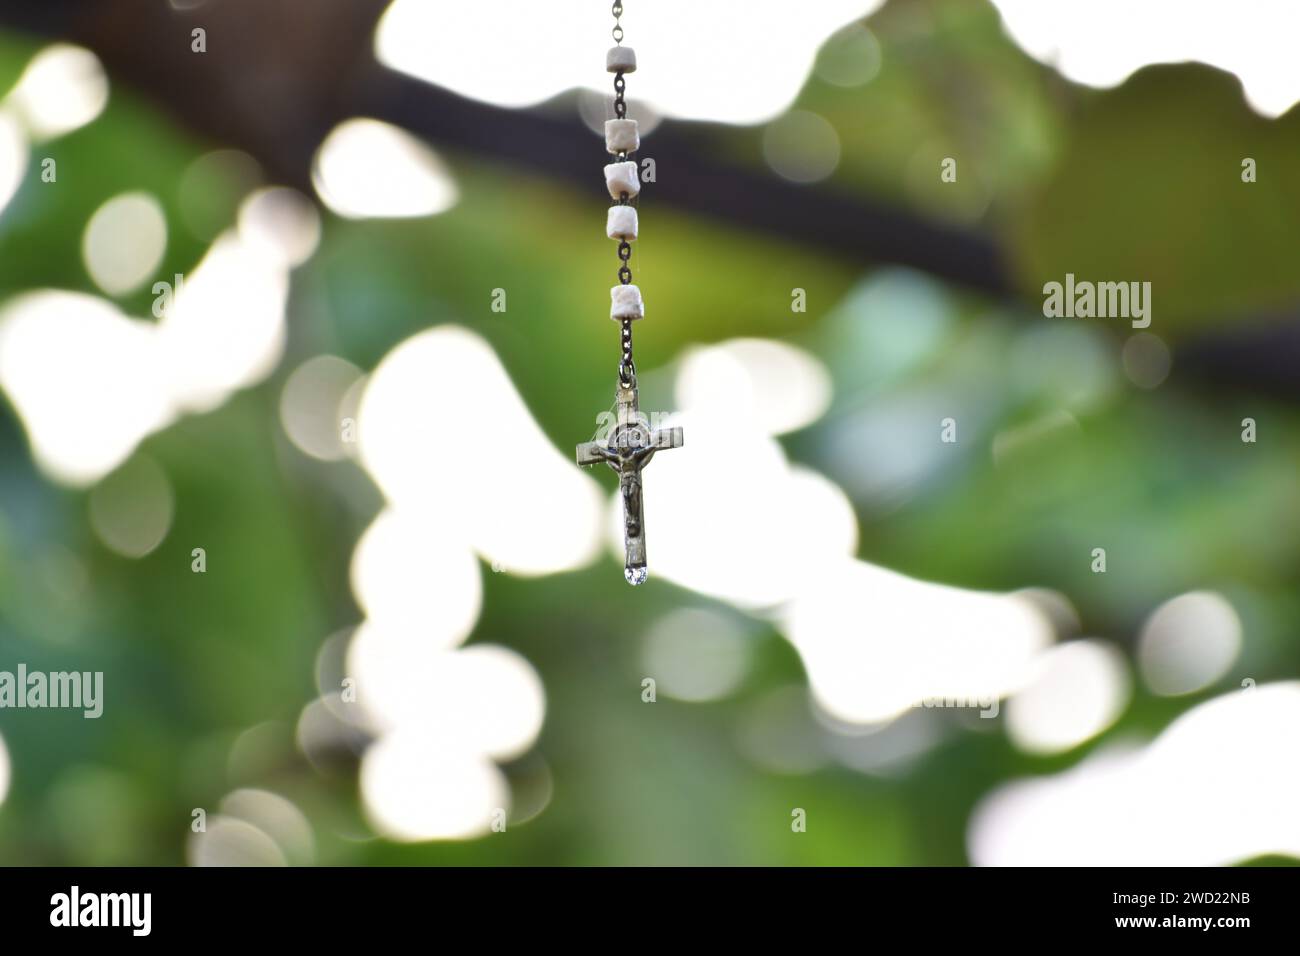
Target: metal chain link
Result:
[[620, 104], [627, 367]]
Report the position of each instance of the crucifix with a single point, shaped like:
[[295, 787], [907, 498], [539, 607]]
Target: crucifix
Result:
[[627, 449], [631, 443]]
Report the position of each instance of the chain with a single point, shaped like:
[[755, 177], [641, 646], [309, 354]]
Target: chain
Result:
[[620, 84], [620, 104], [626, 367]]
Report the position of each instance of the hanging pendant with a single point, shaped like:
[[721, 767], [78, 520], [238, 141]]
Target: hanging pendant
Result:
[[631, 443]]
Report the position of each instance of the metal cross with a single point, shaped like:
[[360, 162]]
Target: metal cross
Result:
[[627, 449]]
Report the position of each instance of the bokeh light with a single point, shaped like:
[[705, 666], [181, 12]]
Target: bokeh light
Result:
[[228, 841], [888, 750], [850, 58], [312, 405], [415, 788], [1101, 42], [131, 509], [451, 469], [1077, 691], [695, 654], [124, 242], [770, 386], [225, 327], [367, 169], [282, 222], [771, 47], [1146, 360], [484, 698], [84, 409], [412, 579], [63, 88], [13, 158], [278, 818], [875, 642], [1188, 643], [801, 146], [1218, 786]]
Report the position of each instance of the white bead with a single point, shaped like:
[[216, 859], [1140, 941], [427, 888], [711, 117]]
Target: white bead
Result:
[[622, 178], [621, 136], [620, 59], [625, 303], [621, 223]]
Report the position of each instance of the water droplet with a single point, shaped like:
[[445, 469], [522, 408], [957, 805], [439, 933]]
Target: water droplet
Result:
[[636, 576]]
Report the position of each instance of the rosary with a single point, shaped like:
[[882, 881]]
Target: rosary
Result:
[[630, 443]]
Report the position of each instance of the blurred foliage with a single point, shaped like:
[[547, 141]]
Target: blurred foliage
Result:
[[208, 674], [1149, 184]]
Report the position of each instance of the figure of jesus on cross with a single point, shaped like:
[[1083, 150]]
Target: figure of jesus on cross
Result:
[[627, 449]]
